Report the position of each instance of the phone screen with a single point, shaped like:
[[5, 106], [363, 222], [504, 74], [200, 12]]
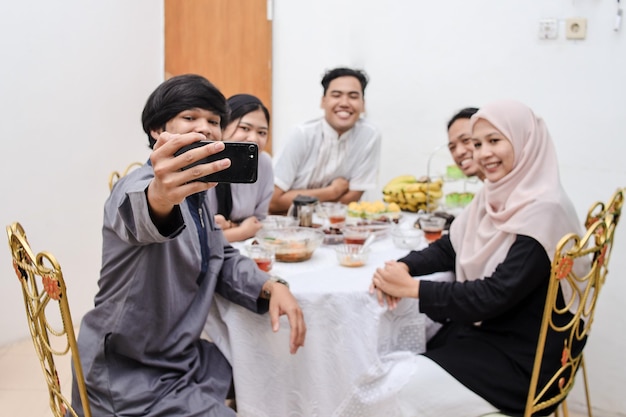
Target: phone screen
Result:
[[244, 158]]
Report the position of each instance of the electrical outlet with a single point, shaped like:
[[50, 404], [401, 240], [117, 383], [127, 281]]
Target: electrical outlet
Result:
[[576, 28], [548, 29]]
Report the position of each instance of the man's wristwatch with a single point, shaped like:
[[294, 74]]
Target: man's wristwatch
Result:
[[266, 293]]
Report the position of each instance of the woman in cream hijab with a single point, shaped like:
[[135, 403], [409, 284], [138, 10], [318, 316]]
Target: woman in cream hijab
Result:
[[500, 248]]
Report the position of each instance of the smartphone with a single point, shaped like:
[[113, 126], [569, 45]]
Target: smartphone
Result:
[[244, 158]]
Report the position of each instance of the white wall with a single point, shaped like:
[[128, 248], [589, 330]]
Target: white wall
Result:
[[428, 59], [75, 75]]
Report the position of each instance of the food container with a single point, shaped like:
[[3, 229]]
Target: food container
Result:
[[352, 255], [332, 236], [277, 222], [291, 244], [407, 237], [373, 211]]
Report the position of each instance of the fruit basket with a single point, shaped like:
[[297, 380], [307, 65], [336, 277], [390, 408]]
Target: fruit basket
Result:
[[413, 194]]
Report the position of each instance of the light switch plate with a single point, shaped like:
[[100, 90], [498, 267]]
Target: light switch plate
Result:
[[548, 29]]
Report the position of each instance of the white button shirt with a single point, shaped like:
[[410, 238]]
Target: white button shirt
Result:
[[314, 155]]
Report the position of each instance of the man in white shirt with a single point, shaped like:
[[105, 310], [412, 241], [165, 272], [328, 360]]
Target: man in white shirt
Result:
[[333, 158]]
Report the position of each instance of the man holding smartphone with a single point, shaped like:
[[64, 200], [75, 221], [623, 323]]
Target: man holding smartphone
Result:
[[333, 158], [163, 260]]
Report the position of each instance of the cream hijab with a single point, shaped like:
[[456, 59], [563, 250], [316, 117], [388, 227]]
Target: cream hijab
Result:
[[528, 201]]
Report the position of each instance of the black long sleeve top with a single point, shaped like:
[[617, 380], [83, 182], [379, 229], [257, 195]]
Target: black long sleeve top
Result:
[[492, 323]]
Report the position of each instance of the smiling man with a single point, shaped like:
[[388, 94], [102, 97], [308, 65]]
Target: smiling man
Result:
[[335, 157], [460, 142]]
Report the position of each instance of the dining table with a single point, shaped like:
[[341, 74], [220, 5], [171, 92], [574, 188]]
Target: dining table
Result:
[[351, 361]]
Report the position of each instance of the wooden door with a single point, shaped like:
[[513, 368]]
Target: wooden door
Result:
[[227, 41]]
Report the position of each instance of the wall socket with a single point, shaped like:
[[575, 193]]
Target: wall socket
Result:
[[548, 29], [576, 28]]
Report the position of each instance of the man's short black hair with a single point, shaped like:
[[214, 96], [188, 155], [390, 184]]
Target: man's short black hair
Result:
[[180, 93], [465, 113], [345, 72]]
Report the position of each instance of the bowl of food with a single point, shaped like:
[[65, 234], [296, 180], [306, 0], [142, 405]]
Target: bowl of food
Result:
[[291, 244], [332, 235], [407, 237], [352, 255], [278, 222]]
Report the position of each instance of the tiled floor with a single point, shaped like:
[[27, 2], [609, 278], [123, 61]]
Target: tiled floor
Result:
[[23, 392]]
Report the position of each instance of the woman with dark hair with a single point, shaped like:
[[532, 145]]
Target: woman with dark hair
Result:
[[239, 207]]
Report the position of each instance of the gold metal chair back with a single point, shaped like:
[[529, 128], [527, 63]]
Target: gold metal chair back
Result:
[[116, 175], [45, 299], [595, 245]]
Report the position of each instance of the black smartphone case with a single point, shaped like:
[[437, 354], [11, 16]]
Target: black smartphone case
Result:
[[244, 157]]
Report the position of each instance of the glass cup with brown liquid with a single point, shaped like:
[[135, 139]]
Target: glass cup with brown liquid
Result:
[[263, 257], [432, 227]]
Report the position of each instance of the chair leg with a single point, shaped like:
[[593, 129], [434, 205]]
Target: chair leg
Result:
[[586, 385]]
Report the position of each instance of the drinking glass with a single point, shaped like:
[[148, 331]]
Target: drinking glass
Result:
[[355, 235], [263, 257], [336, 214], [432, 227]]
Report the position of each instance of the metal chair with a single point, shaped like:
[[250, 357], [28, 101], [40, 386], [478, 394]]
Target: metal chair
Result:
[[44, 291], [595, 245], [116, 175]]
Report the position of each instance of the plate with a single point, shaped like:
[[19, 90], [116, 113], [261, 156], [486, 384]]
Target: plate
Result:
[[379, 228]]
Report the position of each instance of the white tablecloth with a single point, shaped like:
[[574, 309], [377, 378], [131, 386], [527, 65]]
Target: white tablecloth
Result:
[[351, 350]]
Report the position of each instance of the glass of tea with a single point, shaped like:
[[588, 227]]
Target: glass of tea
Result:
[[432, 227], [355, 235], [336, 214], [264, 257]]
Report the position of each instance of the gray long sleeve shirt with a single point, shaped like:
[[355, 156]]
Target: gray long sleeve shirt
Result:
[[140, 346]]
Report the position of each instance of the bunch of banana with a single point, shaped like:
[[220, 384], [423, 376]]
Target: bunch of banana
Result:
[[413, 194]]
